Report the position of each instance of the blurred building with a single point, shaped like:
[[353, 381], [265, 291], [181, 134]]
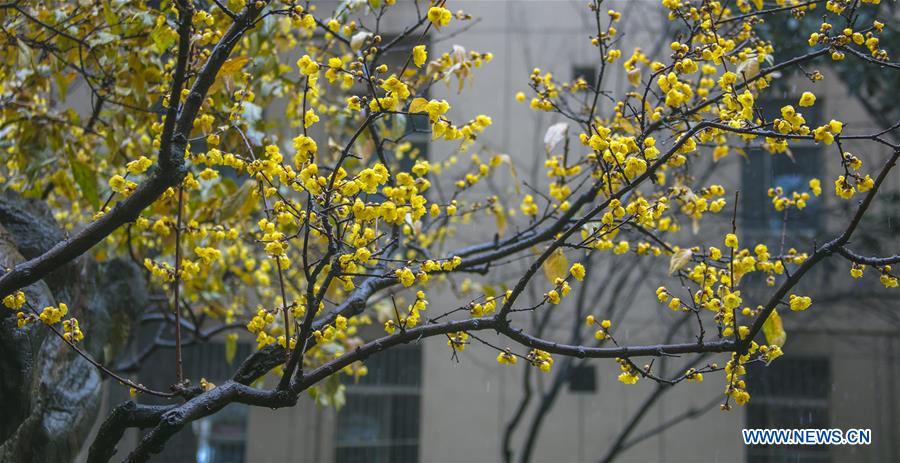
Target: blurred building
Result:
[[421, 404]]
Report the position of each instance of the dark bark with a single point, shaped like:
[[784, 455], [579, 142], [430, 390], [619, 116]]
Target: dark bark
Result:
[[51, 394]]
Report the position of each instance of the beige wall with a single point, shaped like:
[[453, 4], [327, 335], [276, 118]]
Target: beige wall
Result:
[[466, 404]]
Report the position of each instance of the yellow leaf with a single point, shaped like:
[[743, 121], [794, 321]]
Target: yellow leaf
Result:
[[234, 65], [774, 330], [505, 159], [634, 77], [556, 266], [230, 347], [679, 260], [230, 70], [417, 105], [500, 218]]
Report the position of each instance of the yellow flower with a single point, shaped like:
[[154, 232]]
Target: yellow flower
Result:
[[675, 303], [139, 165], [577, 271], [815, 186], [14, 301], [628, 378], [807, 99], [732, 300], [51, 315], [419, 55], [160, 228], [553, 297], [662, 294], [310, 118], [208, 255], [843, 189], [693, 375], [458, 341], [71, 331], [731, 241], [800, 303], [117, 184], [305, 148], [307, 66], [835, 126], [451, 209], [439, 16], [353, 103], [506, 358], [208, 174], [406, 276]]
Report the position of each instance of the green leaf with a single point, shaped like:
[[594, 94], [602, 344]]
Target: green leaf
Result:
[[86, 179], [163, 37], [111, 19]]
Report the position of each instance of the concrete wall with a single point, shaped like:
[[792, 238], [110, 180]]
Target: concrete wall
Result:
[[466, 404]]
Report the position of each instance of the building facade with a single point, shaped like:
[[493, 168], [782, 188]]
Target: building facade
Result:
[[421, 403]]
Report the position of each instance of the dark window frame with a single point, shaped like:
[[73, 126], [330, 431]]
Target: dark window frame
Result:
[[790, 393], [381, 420], [587, 72], [761, 170]]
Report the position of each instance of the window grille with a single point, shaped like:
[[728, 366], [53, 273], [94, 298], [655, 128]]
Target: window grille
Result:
[[790, 393], [583, 379], [762, 170], [380, 421]]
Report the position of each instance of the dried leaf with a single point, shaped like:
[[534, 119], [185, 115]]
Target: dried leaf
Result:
[[556, 266], [749, 68], [679, 260], [229, 72], [555, 134], [359, 39], [506, 159], [634, 77], [237, 202]]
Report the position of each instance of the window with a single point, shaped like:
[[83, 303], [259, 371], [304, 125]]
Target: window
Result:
[[396, 130], [762, 170], [583, 379], [789, 393], [218, 438], [588, 73], [380, 421], [221, 436]]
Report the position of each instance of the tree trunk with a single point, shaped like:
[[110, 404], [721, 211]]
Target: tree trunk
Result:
[[51, 395]]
